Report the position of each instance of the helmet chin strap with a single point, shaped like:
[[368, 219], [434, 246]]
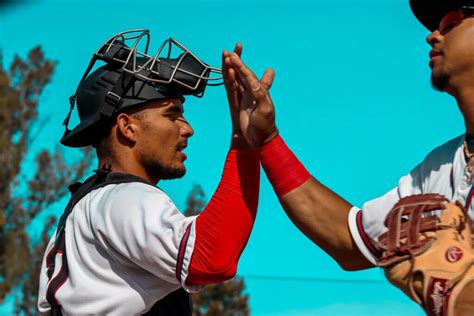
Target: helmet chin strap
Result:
[[107, 166], [113, 99], [72, 99]]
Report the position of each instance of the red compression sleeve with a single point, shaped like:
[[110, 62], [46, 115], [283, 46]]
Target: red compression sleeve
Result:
[[283, 169], [223, 228]]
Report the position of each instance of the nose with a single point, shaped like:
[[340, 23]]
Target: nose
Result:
[[186, 130], [434, 37]]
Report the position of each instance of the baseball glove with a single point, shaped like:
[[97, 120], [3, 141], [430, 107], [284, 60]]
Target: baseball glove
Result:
[[428, 253]]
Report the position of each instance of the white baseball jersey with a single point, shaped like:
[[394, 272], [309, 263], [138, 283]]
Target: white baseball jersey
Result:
[[123, 242], [442, 172]]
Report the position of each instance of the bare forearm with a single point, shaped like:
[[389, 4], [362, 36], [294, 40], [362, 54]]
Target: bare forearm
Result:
[[317, 211], [322, 216]]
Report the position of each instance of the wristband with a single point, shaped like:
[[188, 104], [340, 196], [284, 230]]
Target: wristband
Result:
[[283, 169]]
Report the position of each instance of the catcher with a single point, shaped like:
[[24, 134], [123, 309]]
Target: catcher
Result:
[[419, 232], [121, 246]]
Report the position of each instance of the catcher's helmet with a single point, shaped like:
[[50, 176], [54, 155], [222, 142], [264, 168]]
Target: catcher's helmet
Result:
[[430, 12], [130, 78]]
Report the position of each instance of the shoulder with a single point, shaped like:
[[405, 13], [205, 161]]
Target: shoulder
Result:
[[444, 154], [432, 175], [440, 159], [131, 200], [128, 193]]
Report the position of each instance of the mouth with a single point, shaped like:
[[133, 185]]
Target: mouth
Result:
[[434, 54], [180, 149]]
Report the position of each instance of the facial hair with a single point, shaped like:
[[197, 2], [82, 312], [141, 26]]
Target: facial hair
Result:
[[162, 171], [156, 167], [167, 172], [440, 82]]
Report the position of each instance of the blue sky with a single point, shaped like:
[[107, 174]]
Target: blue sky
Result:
[[353, 101]]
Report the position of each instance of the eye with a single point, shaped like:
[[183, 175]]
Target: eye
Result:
[[448, 27], [450, 21], [173, 117]]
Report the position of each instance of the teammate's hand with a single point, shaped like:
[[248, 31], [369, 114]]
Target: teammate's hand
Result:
[[256, 109], [233, 96]]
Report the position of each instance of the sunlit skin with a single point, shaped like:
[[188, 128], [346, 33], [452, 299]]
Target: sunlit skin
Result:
[[320, 213], [317, 211], [452, 58], [149, 143]]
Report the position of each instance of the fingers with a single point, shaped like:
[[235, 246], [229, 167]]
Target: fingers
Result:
[[229, 77], [226, 66], [242, 77], [244, 72], [238, 49], [248, 78], [230, 83], [267, 78]]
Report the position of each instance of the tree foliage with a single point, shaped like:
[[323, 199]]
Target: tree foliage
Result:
[[27, 189], [222, 299]]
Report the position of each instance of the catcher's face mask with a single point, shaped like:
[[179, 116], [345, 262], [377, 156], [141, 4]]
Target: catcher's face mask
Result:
[[186, 70], [131, 77]]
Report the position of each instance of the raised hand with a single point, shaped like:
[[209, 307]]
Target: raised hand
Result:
[[255, 106], [234, 97]]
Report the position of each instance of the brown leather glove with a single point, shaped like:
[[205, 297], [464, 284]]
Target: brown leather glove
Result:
[[428, 253]]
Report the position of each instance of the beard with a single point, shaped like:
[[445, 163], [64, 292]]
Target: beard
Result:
[[161, 170], [166, 172], [157, 168], [440, 81]]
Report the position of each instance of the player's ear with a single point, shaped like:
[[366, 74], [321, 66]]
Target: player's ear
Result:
[[127, 128]]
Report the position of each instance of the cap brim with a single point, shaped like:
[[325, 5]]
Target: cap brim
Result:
[[430, 12]]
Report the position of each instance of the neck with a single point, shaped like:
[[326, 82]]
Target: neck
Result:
[[465, 100], [116, 165]]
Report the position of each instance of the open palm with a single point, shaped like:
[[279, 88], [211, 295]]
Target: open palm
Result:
[[251, 106]]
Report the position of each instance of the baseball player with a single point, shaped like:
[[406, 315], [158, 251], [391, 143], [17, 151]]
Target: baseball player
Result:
[[121, 246], [347, 233]]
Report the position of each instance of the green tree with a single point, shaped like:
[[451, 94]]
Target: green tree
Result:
[[26, 190], [222, 299]]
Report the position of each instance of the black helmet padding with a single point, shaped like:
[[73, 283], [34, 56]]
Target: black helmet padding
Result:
[[92, 102]]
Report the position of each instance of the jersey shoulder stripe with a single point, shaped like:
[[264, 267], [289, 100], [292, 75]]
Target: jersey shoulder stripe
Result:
[[182, 248]]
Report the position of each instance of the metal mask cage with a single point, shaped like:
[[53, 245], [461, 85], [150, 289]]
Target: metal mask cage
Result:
[[130, 41], [123, 49]]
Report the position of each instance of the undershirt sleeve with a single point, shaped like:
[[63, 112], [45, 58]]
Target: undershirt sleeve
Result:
[[141, 223], [223, 228]]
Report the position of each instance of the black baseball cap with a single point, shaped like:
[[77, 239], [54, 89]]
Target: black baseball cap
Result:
[[430, 12]]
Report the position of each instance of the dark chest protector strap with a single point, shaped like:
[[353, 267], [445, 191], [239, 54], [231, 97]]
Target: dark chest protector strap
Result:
[[175, 303]]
